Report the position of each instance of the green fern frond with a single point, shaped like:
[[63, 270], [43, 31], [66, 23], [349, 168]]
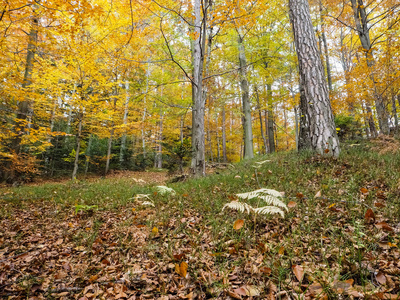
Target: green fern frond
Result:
[[240, 206], [269, 210]]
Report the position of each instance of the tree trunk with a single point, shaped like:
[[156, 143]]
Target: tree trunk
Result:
[[326, 52], [270, 121], [261, 122], [371, 123], [394, 110], [88, 154], [124, 121], [24, 106], [315, 103], [78, 145], [109, 145], [244, 86], [224, 156], [198, 165], [361, 20]]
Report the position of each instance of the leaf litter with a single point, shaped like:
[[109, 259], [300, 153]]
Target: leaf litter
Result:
[[167, 252]]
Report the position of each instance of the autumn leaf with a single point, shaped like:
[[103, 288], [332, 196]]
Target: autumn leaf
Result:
[[381, 278], [154, 230], [181, 269], [238, 224], [298, 272], [291, 204], [384, 226], [317, 195], [369, 216]]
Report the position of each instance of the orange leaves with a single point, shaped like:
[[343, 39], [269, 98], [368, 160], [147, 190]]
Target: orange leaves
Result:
[[181, 269]]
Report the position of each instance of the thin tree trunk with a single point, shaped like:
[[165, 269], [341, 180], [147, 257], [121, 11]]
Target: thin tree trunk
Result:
[[144, 112], [261, 122], [394, 110], [367, 133], [78, 145], [371, 123], [244, 85], [361, 21], [24, 106], [326, 52], [270, 121], [198, 165], [88, 154], [296, 128], [109, 145], [124, 121], [323, 136], [224, 156]]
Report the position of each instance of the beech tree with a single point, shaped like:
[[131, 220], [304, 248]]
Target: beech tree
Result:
[[318, 127]]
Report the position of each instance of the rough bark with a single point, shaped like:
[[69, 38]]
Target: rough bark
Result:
[[244, 86], [315, 103], [88, 154]]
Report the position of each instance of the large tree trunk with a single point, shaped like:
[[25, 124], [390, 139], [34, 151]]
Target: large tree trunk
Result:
[[198, 144], [361, 20], [322, 128], [244, 86], [24, 106]]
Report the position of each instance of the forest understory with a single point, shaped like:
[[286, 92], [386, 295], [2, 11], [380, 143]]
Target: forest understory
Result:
[[103, 239]]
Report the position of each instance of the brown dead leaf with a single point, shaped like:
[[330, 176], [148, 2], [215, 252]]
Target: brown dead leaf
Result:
[[317, 195], [364, 190], [298, 272], [234, 295], [181, 269], [238, 224], [384, 226], [240, 291], [265, 270], [381, 278], [291, 204], [378, 204], [369, 216]]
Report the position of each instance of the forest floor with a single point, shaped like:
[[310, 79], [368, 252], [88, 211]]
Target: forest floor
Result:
[[102, 239]]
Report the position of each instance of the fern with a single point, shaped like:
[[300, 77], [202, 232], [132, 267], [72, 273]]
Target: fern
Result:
[[165, 190], [270, 197]]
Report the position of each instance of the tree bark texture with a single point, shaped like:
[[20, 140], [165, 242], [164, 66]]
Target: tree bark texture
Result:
[[244, 86], [198, 144], [315, 105]]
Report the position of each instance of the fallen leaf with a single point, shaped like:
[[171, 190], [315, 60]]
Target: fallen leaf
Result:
[[154, 230], [369, 216], [381, 278], [317, 195], [267, 271], [364, 190], [240, 291], [378, 204], [238, 224], [298, 272], [384, 226], [291, 204]]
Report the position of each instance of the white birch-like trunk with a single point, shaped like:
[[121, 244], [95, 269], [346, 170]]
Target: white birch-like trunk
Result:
[[244, 86]]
